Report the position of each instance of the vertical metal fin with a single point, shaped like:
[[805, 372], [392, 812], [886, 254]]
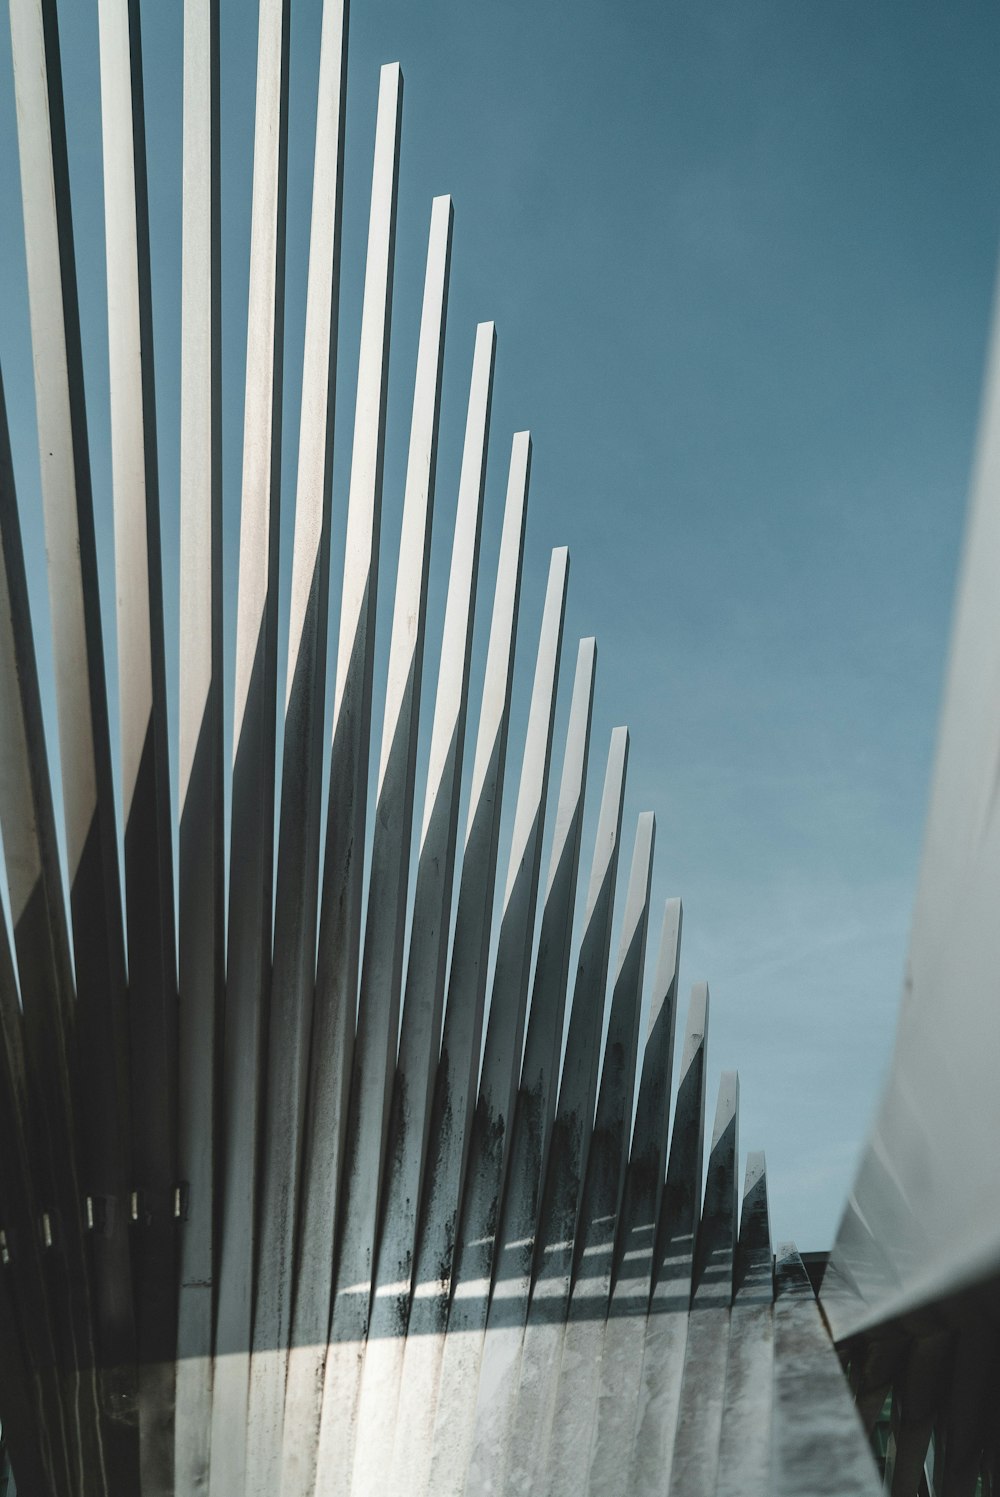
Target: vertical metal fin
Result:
[[340, 911], [583, 1344], [488, 1146], [699, 1418], [409, 1119], [81, 697], [569, 1139], [745, 1444], [621, 1363], [666, 1327], [149, 904], [460, 1046], [200, 914], [535, 1102], [381, 971], [38, 922], [252, 834], [297, 891], [37, 1162]]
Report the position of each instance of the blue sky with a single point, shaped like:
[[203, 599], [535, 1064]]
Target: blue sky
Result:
[[740, 256]]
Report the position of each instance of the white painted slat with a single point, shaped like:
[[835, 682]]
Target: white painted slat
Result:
[[699, 1418], [460, 1047], [297, 886], [535, 1102], [149, 895], [340, 911], [40, 1039], [80, 685], [381, 970], [666, 1327], [570, 1137], [583, 1344], [745, 1446], [483, 1191], [201, 881], [420, 1035], [251, 847], [621, 1364]]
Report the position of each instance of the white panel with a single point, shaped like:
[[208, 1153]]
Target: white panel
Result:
[[381, 971], [340, 911], [483, 1192], [201, 955], [252, 810], [455, 1084], [297, 879], [416, 1063], [932, 1160]]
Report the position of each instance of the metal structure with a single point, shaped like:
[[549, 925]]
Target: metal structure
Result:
[[913, 1288], [313, 1196]]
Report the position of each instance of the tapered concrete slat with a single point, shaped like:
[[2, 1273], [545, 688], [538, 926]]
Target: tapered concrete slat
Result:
[[201, 880], [574, 1421], [297, 878], [568, 1143], [745, 1443], [149, 905], [80, 686], [680, 1209], [699, 1419], [483, 1192], [454, 1091], [381, 971], [813, 1414], [340, 910], [535, 1102], [409, 1119], [251, 846], [621, 1363]]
